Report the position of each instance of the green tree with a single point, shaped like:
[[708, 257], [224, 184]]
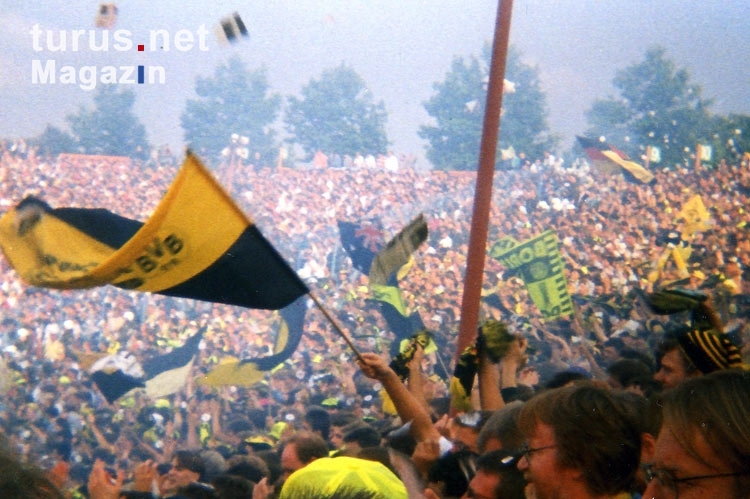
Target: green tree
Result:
[[54, 141], [731, 137], [524, 121], [657, 106], [111, 127], [458, 107], [235, 100], [337, 114]]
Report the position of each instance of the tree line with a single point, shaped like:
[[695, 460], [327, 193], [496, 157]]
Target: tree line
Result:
[[656, 106]]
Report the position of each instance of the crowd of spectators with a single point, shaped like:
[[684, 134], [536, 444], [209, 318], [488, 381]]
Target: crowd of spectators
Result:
[[615, 239]]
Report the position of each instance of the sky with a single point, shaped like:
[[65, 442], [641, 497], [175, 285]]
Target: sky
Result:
[[399, 47]]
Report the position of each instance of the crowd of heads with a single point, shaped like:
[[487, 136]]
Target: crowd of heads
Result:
[[615, 399]]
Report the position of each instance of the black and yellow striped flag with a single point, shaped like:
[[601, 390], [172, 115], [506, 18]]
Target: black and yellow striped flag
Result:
[[197, 244], [246, 372], [385, 264]]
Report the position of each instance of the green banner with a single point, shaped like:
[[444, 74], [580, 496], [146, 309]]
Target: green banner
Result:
[[538, 262]]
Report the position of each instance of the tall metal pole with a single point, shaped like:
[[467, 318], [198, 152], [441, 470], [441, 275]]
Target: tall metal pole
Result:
[[483, 192]]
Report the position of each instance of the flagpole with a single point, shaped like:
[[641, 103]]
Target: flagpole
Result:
[[483, 191], [335, 325], [698, 153]]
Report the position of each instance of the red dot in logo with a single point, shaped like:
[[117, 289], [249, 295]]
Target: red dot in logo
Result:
[[141, 48]]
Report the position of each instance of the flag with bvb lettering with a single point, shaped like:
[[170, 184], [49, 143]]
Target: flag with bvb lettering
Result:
[[197, 244], [538, 262]]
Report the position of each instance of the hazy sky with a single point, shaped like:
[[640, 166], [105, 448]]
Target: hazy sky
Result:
[[400, 48]]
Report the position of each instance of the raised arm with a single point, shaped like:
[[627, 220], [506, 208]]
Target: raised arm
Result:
[[407, 405]]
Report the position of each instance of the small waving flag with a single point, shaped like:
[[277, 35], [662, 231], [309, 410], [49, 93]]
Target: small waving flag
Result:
[[365, 244], [611, 160], [115, 375], [231, 29]]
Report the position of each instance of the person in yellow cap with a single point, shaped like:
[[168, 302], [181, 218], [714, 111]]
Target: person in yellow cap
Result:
[[344, 478]]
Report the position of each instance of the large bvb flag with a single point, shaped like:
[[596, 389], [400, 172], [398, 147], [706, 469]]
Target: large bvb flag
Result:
[[611, 160], [197, 244]]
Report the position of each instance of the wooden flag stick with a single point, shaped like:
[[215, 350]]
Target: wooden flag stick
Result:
[[336, 325]]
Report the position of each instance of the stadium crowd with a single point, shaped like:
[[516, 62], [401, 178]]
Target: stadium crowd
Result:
[[616, 239]]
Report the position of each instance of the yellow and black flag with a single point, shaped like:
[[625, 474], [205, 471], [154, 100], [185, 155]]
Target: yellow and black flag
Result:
[[695, 217], [246, 372], [398, 251], [386, 263], [197, 244]]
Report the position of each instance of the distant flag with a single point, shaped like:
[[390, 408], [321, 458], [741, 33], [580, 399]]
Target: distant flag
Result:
[[197, 244], [231, 29], [167, 374], [385, 273], [538, 262], [676, 248], [610, 160], [397, 252], [362, 241], [471, 105], [508, 154], [246, 372], [654, 154], [695, 217], [117, 374], [705, 152]]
